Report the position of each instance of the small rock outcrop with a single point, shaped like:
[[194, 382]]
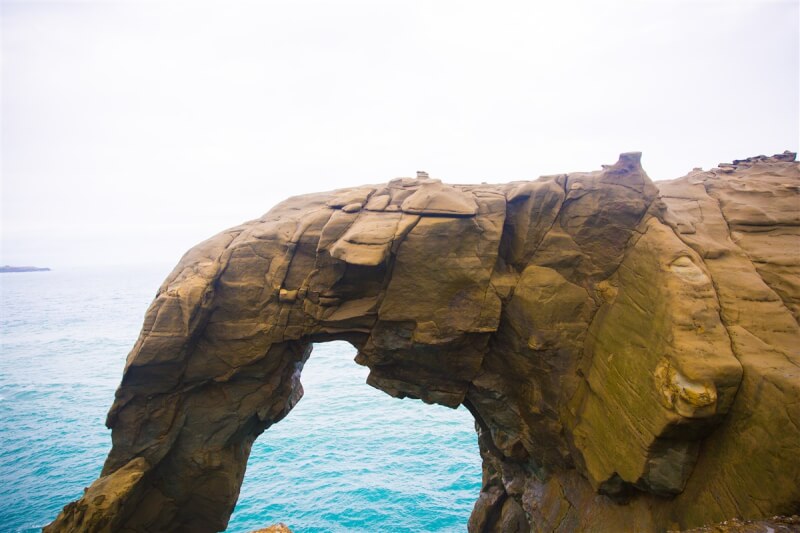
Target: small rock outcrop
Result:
[[630, 353], [276, 528], [9, 268]]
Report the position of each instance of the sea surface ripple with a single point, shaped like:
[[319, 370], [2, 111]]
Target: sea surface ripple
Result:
[[347, 458]]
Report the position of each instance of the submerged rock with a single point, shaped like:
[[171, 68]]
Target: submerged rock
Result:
[[276, 528], [631, 354]]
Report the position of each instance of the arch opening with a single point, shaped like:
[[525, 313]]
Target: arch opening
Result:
[[349, 457]]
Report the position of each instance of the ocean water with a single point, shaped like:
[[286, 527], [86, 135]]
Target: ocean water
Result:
[[347, 458]]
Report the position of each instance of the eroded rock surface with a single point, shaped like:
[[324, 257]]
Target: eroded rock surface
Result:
[[776, 524], [631, 354]]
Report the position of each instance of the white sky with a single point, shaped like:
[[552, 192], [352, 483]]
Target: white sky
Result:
[[133, 130]]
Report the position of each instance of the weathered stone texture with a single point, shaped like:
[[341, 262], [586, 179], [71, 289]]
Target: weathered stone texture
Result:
[[630, 353]]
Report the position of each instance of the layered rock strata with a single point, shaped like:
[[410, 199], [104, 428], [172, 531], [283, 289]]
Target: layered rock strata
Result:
[[631, 354]]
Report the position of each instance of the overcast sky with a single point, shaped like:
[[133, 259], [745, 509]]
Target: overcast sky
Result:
[[133, 130]]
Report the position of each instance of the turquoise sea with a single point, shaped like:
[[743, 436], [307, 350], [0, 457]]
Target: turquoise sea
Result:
[[347, 458]]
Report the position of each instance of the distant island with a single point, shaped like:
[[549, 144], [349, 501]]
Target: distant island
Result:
[[8, 268]]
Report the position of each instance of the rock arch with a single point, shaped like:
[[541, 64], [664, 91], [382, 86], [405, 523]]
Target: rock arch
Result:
[[596, 330], [350, 457]]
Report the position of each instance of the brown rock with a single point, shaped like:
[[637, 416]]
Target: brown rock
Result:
[[776, 524], [434, 198], [277, 528], [629, 353]]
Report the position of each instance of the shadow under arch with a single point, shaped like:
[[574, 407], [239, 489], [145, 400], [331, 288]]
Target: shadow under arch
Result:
[[350, 458]]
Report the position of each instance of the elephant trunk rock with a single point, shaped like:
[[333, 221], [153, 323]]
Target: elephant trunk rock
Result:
[[629, 353]]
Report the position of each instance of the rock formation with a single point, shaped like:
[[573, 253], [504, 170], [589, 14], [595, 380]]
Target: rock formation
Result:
[[276, 528], [9, 268], [630, 353]]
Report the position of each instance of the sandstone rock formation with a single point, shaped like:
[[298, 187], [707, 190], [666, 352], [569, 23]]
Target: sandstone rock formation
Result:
[[631, 354]]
